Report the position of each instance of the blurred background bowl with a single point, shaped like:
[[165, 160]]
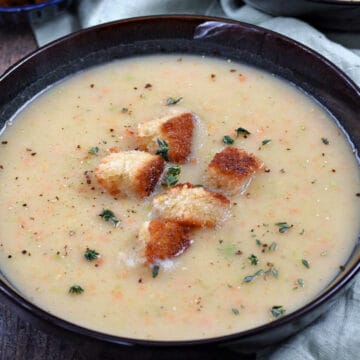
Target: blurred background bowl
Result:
[[32, 13], [341, 15]]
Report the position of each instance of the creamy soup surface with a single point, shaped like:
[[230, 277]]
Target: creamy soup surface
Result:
[[50, 203]]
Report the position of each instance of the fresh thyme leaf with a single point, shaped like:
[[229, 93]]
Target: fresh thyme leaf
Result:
[[300, 282], [76, 289], [172, 175], [253, 277], [253, 259], [242, 131], [170, 180], [108, 215], [283, 227], [272, 246], [266, 141], [94, 150], [163, 149], [325, 141], [305, 263], [277, 311], [155, 271], [235, 311], [228, 140], [173, 101], [174, 170], [90, 254], [275, 273]]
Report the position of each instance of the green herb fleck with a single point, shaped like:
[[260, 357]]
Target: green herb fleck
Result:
[[91, 254], [173, 101], [325, 141], [253, 277], [277, 311], [94, 150], [228, 249], [76, 289], [272, 246], [108, 215], [155, 271], [300, 282], [305, 263], [172, 175], [258, 242], [275, 273], [228, 140], [324, 253], [271, 271], [242, 131], [253, 259], [266, 141], [235, 311], [283, 227], [163, 149]]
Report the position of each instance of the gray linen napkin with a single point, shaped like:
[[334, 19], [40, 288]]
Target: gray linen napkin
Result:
[[335, 335]]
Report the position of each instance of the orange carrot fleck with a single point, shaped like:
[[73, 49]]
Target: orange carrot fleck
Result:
[[294, 211], [116, 294], [114, 149], [128, 133], [242, 78], [99, 262], [105, 91]]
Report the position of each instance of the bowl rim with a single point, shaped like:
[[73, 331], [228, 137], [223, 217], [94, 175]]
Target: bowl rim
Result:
[[58, 322], [29, 7], [336, 2]]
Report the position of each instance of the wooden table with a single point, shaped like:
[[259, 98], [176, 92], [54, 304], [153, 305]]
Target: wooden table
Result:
[[18, 339]]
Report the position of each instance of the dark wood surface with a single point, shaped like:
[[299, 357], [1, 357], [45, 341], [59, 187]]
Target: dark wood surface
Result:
[[19, 340], [15, 42]]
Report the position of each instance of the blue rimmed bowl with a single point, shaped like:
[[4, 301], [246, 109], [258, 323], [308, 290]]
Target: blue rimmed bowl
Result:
[[32, 13]]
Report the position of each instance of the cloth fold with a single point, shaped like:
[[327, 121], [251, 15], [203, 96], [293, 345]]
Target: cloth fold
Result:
[[335, 334]]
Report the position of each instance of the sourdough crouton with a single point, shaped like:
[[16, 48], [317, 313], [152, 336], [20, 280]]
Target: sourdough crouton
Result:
[[163, 239], [231, 170], [191, 206], [177, 132], [130, 173]]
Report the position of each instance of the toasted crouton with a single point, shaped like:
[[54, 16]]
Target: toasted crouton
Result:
[[163, 239], [177, 132], [130, 173], [191, 206], [231, 170]]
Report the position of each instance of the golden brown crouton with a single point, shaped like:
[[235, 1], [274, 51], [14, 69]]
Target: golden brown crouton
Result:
[[231, 170], [176, 130], [163, 239], [130, 173], [191, 206]]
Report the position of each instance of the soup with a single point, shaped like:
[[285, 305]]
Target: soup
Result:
[[285, 237]]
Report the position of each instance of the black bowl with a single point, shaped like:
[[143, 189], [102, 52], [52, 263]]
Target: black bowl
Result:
[[327, 14], [193, 35]]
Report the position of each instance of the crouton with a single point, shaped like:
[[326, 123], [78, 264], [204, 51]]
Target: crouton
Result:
[[130, 173], [191, 206], [163, 239], [175, 130], [231, 170]]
